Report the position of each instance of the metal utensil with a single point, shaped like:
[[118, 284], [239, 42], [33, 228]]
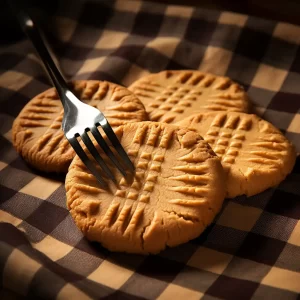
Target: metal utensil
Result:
[[79, 118]]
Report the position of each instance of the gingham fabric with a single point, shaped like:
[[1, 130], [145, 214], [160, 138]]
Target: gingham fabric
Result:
[[251, 251]]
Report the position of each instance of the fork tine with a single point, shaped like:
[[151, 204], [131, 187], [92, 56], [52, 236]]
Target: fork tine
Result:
[[100, 140], [79, 151], [89, 144], [115, 142]]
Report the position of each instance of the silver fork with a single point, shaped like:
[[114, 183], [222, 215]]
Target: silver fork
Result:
[[79, 118]]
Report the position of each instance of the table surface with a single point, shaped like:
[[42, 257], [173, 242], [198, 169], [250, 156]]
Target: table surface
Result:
[[278, 10]]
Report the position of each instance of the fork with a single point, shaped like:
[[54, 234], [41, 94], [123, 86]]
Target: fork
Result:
[[79, 118]]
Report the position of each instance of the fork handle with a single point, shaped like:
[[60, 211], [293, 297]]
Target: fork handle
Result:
[[33, 33]]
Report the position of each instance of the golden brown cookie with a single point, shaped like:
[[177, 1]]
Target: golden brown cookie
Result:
[[177, 190], [37, 133], [171, 96], [254, 153]]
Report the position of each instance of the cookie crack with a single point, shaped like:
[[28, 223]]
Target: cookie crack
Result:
[[91, 224], [185, 217], [142, 234], [243, 187]]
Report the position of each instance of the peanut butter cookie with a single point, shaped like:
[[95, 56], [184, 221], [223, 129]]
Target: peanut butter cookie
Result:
[[171, 96], [254, 153], [176, 191], [37, 133]]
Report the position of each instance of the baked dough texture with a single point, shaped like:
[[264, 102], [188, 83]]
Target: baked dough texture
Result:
[[37, 133], [171, 96], [176, 191], [255, 155]]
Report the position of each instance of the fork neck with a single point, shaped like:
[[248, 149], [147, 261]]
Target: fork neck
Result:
[[33, 33]]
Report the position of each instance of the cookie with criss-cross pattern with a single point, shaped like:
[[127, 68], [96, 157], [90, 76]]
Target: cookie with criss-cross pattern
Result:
[[37, 133], [254, 153], [176, 191], [171, 96]]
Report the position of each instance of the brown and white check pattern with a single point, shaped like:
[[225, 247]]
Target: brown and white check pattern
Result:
[[251, 251]]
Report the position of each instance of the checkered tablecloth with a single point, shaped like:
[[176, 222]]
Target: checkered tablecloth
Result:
[[251, 251]]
